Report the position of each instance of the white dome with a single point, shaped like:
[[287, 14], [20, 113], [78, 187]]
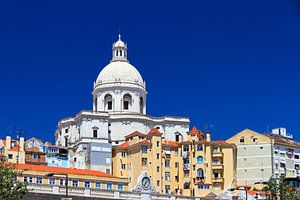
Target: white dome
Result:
[[119, 71]]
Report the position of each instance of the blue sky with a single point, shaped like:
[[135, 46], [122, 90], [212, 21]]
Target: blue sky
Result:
[[231, 64]]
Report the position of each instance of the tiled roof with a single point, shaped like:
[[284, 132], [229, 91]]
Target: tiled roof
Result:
[[171, 143], [124, 145], [221, 142], [49, 169], [154, 131], [284, 140], [135, 133]]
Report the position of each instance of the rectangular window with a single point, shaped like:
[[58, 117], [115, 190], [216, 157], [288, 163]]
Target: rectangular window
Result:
[[98, 185], [35, 156], [144, 149], [176, 165], [157, 183], [167, 176], [30, 179], [176, 152], [186, 148], [199, 147], [95, 133], [157, 169], [123, 154], [120, 187], [52, 181], [25, 179], [62, 182], [126, 105], [87, 184], [109, 186], [167, 189], [109, 105], [157, 156], [75, 183], [167, 163], [177, 138], [66, 130], [296, 156], [157, 144], [66, 141], [255, 139], [39, 180], [107, 160], [10, 156], [123, 166], [107, 171], [144, 161], [242, 140]]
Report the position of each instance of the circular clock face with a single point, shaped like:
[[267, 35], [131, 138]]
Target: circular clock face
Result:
[[146, 183]]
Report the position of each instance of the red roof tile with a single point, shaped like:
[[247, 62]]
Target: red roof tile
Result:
[[124, 145], [49, 169], [171, 143], [136, 133], [221, 142], [154, 131]]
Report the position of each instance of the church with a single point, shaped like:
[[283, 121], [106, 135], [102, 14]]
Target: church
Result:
[[119, 108]]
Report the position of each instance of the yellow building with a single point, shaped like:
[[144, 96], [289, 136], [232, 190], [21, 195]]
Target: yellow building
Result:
[[12, 150], [195, 167]]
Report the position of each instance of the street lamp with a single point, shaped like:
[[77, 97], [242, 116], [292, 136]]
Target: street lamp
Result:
[[67, 180]]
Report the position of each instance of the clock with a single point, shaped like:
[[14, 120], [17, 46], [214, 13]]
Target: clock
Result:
[[146, 183]]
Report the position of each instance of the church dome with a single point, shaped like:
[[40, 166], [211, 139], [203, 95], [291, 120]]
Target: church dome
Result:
[[119, 71]]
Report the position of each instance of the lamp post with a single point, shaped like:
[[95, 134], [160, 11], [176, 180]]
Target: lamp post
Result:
[[67, 180]]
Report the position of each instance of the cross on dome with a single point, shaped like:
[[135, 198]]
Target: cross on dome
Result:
[[119, 50]]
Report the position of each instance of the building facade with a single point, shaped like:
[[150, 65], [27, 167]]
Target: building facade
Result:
[[56, 156], [12, 150], [119, 107], [194, 166], [260, 156]]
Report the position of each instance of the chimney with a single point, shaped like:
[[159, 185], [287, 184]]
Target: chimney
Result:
[[21, 144], [8, 142], [208, 137]]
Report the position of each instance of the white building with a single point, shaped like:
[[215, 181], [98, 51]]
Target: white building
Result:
[[119, 108]]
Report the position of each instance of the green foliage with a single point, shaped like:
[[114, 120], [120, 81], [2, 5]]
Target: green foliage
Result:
[[10, 188], [279, 190]]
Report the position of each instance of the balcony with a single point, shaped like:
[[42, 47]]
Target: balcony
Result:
[[217, 179], [217, 166], [199, 180], [217, 154]]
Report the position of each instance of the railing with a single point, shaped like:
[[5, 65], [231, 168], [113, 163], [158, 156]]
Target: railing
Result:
[[107, 194]]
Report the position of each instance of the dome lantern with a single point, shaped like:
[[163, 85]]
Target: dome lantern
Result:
[[119, 51]]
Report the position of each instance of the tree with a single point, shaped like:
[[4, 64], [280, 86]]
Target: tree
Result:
[[10, 187], [278, 189]]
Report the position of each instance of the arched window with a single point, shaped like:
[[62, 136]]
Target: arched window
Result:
[[108, 102], [199, 159], [141, 105], [200, 173], [126, 101], [186, 185]]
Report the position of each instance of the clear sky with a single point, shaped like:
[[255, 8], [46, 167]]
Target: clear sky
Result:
[[231, 64]]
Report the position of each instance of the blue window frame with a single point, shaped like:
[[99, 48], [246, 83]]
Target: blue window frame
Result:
[[98, 185], [120, 187], [108, 186]]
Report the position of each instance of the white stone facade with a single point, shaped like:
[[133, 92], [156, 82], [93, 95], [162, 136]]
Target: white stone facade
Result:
[[119, 108]]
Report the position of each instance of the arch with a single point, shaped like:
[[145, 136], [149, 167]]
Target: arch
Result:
[[186, 185], [108, 104], [127, 101], [200, 173], [199, 159], [141, 105]]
